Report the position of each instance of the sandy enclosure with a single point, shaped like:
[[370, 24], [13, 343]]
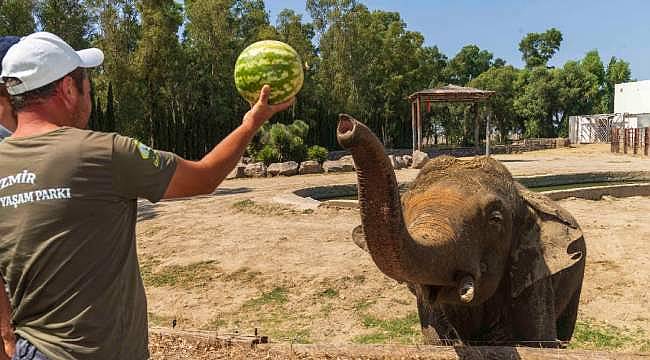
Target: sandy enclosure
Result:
[[236, 260]]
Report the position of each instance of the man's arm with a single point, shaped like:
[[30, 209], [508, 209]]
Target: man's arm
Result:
[[6, 331], [202, 177]]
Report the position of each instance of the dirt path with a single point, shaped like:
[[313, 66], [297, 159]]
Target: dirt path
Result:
[[238, 261]]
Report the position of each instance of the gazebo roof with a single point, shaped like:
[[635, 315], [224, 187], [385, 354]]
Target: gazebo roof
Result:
[[452, 93]]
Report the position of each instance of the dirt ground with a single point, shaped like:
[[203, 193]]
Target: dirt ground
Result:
[[236, 260]]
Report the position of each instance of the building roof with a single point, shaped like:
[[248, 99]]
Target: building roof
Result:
[[452, 93]]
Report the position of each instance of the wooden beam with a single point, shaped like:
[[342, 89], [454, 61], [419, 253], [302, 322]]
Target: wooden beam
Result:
[[439, 352], [477, 130]]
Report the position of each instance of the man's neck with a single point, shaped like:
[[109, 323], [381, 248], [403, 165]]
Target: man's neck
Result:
[[34, 122]]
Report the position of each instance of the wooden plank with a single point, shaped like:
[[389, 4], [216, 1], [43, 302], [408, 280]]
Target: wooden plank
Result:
[[210, 338], [413, 125], [419, 117], [440, 352]]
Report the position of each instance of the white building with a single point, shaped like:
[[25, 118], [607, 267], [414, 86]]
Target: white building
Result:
[[631, 110]]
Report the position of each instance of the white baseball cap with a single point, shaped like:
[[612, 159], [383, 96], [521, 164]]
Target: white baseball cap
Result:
[[42, 58]]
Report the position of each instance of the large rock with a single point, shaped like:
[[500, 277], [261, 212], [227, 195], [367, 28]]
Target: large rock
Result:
[[395, 161], [310, 167], [255, 170], [338, 166], [288, 168], [408, 160], [401, 162], [238, 172], [419, 159]]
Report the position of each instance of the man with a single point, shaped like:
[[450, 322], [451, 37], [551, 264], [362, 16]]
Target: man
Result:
[[7, 117], [68, 206], [7, 125]]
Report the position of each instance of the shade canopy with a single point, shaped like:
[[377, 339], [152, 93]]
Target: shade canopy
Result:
[[447, 94], [452, 93]]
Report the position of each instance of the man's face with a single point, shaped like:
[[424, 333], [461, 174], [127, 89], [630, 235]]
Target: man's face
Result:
[[84, 105], [7, 116]]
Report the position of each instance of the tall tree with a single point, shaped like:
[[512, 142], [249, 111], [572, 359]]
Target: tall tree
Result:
[[618, 71], [538, 48], [69, 19], [16, 17], [468, 64], [501, 80], [157, 62]]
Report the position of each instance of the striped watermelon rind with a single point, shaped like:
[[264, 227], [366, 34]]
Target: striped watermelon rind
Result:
[[269, 62]]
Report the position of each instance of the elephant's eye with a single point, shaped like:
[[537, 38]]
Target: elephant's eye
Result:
[[496, 217]]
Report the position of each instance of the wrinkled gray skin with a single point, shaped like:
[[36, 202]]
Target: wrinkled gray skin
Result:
[[489, 262]]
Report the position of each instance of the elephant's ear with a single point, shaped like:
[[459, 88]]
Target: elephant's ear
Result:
[[550, 241], [359, 237]]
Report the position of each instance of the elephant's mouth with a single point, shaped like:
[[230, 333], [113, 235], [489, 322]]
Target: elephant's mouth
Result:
[[463, 293]]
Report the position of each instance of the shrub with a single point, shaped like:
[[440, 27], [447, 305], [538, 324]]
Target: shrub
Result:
[[268, 155], [317, 153]]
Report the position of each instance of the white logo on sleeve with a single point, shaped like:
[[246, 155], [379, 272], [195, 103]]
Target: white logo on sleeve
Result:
[[29, 178]]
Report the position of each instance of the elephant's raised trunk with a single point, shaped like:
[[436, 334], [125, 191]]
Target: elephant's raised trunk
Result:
[[388, 240]]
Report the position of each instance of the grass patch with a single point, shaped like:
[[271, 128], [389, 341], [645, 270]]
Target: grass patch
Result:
[[251, 207], [300, 336], [277, 296], [363, 305], [405, 330], [329, 293], [188, 276], [589, 335], [160, 320]]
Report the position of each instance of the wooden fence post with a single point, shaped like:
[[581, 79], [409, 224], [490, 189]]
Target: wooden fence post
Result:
[[646, 141], [636, 141], [625, 140]]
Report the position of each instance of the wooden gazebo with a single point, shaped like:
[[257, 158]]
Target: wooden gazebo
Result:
[[446, 94]]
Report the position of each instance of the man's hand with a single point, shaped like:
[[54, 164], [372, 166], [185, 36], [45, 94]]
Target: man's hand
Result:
[[262, 111]]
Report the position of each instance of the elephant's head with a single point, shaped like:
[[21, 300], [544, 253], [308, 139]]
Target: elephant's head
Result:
[[458, 231]]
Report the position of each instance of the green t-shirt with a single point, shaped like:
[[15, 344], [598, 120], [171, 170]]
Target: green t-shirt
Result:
[[67, 240]]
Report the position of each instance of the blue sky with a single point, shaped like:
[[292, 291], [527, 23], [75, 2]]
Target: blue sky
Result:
[[618, 28]]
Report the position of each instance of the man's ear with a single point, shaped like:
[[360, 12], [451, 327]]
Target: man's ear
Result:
[[67, 92]]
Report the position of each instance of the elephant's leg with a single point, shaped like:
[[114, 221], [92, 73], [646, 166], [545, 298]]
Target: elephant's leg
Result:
[[533, 316], [567, 285]]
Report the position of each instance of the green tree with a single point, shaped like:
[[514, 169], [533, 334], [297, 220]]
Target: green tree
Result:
[[538, 102], [618, 71], [538, 48], [502, 80], [71, 20], [468, 64], [16, 17]]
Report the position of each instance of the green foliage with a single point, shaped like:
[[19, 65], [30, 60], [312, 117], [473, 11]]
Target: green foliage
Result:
[[538, 48], [280, 143], [175, 91], [16, 17], [317, 153]]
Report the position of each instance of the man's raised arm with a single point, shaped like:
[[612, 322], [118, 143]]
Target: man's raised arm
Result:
[[203, 177]]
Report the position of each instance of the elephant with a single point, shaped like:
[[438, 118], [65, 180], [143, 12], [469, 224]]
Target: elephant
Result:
[[489, 262]]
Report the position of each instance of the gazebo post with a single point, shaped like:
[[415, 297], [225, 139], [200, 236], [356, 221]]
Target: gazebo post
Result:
[[413, 125], [477, 131], [419, 118], [487, 134]]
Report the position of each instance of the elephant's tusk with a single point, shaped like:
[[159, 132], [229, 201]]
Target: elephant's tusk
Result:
[[466, 289]]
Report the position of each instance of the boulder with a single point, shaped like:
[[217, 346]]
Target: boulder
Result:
[[338, 166], [395, 161], [255, 170], [419, 159], [288, 168], [310, 167], [237, 172], [408, 160], [401, 162]]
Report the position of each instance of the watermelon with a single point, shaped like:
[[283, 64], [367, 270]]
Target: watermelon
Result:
[[269, 62]]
